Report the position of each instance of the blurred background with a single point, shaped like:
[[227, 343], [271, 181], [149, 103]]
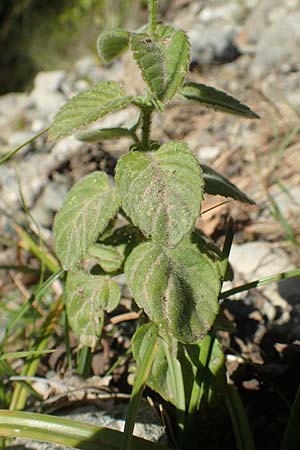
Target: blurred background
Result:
[[42, 35]]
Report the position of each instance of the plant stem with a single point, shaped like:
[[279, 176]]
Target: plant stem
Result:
[[146, 118], [152, 7]]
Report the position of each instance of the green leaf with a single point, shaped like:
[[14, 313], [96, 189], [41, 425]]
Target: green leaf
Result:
[[85, 213], [111, 44], [162, 59], [177, 288], [161, 377], [216, 184], [149, 58], [104, 133], [218, 100], [87, 297], [161, 191], [176, 50], [86, 107], [110, 258]]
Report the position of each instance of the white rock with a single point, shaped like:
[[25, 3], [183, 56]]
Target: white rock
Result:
[[49, 81]]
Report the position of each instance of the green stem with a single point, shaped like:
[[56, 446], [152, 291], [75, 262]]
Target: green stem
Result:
[[178, 390], [146, 128], [152, 7], [138, 387], [261, 282], [241, 427], [291, 439]]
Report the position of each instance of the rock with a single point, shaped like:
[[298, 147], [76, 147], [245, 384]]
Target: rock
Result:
[[212, 44], [147, 426], [254, 260], [278, 49], [49, 81], [208, 153], [50, 201]]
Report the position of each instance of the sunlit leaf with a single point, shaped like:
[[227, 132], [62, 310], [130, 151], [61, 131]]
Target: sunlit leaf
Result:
[[111, 44], [87, 297], [86, 107], [85, 213], [163, 59], [218, 100], [177, 288], [161, 191]]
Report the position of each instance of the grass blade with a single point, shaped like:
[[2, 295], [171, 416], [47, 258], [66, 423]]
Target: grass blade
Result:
[[9, 155], [45, 428], [241, 427], [138, 387], [291, 438], [261, 282]]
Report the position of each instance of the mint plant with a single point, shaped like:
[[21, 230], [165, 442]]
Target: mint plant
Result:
[[174, 272]]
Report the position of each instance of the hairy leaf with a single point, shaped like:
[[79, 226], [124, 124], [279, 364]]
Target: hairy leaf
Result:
[[111, 44], [104, 133], [177, 288], [85, 213], [149, 58], [163, 59], [161, 191], [87, 297], [176, 50], [86, 107], [218, 100], [216, 184]]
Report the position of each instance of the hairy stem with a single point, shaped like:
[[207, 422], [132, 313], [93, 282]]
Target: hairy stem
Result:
[[152, 8], [146, 118]]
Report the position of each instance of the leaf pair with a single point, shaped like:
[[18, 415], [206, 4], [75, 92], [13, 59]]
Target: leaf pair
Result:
[[162, 58]]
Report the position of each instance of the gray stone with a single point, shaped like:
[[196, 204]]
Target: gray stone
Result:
[[49, 81], [278, 47], [213, 44]]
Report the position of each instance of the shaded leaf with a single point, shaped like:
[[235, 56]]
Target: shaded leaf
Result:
[[162, 59], [104, 133], [218, 100], [109, 257], [86, 107], [87, 297], [111, 44], [160, 378], [216, 184], [161, 191], [85, 213], [177, 288]]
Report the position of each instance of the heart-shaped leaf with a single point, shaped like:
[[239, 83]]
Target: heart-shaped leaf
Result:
[[111, 44], [216, 184], [86, 107], [177, 288], [218, 100], [161, 191], [87, 297], [85, 213], [163, 59]]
